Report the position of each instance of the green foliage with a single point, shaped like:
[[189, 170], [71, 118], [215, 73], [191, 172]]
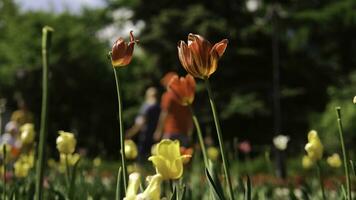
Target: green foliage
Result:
[[326, 122]]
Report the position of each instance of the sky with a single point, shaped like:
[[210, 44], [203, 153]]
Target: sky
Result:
[[59, 5]]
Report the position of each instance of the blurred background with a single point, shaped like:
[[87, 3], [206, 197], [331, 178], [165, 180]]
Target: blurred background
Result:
[[287, 65]]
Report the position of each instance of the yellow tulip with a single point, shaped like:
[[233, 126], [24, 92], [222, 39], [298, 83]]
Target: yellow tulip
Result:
[[21, 169], [27, 133], [66, 142], [213, 153], [334, 161], [130, 149], [168, 160], [28, 158], [153, 190], [132, 188], [307, 162], [314, 147], [97, 162]]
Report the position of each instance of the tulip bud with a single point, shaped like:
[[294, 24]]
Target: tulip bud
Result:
[[314, 147], [130, 149], [121, 52], [27, 133], [334, 161], [213, 153], [66, 142], [280, 142]]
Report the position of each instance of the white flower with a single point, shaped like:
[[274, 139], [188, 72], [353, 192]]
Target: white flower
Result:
[[355, 100], [280, 142]]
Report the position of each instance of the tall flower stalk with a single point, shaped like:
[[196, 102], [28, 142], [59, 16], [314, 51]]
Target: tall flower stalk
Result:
[[121, 129], [344, 154], [121, 55], [200, 137], [46, 41], [220, 138], [200, 59], [320, 176]]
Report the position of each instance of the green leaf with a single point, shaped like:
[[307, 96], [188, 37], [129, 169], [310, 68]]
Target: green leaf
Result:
[[174, 194], [248, 195], [352, 166], [119, 194], [72, 181], [217, 194]]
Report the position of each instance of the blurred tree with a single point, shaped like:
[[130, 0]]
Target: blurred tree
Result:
[[82, 92], [316, 42]]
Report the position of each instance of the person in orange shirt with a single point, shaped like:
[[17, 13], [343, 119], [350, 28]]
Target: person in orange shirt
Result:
[[175, 121]]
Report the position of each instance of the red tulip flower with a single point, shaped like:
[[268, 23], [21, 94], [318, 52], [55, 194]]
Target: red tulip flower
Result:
[[199, 58], [121, 52], [183, 88]]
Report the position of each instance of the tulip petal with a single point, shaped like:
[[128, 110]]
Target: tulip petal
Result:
[[161, 166], [220, 47], [168, 149]]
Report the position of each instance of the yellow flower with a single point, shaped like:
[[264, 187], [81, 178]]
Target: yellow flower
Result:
[[28, 158], [66, 142], [97, 162], [153, 190], [199, 58], [130, 149], [121, 52], [314, 147], [21, 169], [334, 160], [27, 133], [307, 162], [72, 159], [355, 100], [213, 153], [132, 188], [168, 160]]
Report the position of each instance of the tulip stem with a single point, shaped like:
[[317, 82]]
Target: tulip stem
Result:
[[220, 138], [345, 158], [46, 39], [321, 180], [200, 137], [67, 171], [122, 138], [4, 166]]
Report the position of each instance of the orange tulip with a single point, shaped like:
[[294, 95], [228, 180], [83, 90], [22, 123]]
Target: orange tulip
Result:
[[121, 52], [183, 89], [199, 57]]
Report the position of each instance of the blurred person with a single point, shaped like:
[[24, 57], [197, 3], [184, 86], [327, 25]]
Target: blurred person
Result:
[[175, 121], [145, 123], [22, 115], [11, 137]]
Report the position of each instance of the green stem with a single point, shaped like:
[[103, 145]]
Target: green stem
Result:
[[200, 137], [122, 137], [345, 159], [4, 174], [46, 37], [321, 180], [220, 138], [67, 171]]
